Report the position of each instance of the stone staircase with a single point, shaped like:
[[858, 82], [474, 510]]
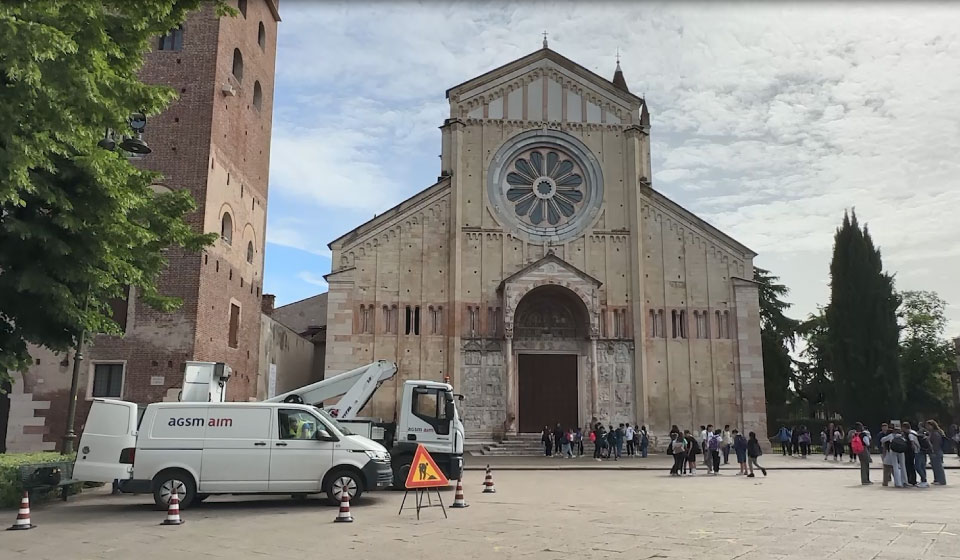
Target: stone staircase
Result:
[[521, 445]]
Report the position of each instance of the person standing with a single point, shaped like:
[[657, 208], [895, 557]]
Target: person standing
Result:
[[707, 460], [837, 443], [920, 455], [937, 442], [740, 447], [628, 434], [558, 440], [860, 445], [727, 443], [545, 440], [849, 440], [883, 448], [804, 442], [783, 436], [567, 444], [693, 448], [896, 446], [714, 443], [825, 443], [579, 441], [678, 448], [644, 442], [910, 455], [754, 452], [794, 441]]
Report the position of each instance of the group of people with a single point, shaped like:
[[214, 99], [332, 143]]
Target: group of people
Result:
[[608, 443], [712, 444], [905, 452]]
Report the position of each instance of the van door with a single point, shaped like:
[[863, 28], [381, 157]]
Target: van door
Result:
[[110, 429], [236, 449], [298, 459]]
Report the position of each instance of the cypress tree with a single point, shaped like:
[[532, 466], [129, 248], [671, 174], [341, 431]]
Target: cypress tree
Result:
[[862, 330]]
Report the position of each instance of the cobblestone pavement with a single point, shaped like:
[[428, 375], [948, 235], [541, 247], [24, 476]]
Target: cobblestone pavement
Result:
[[815, 514]]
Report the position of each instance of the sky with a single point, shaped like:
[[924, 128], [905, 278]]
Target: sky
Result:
[[767, 120]]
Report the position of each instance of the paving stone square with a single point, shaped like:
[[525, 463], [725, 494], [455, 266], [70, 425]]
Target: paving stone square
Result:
[[562, 514]]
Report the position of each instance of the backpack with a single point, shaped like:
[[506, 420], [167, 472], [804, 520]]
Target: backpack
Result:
[[695, 448], [714, 443], [898, 444], [804, 437], [856, 444], [925, 446]]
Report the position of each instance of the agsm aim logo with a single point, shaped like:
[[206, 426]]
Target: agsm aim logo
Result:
[[213, 422]]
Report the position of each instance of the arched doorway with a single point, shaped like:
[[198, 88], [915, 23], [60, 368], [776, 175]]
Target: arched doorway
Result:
[[550, 339]]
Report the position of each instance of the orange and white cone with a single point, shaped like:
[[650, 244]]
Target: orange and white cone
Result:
[[344, 515], [173, 510], [488, 483], [458, 501], [23, 515]]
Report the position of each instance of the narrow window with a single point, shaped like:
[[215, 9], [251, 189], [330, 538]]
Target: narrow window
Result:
[[719, 325], [257, 95], [683, 324], [172, 40], [661, 324], [250, 252], [232, 339], [107, 381], [653, 324], [416, 320], [726, 324], [673, 321], [238, 65], [491, 322], [262, 36], [472, 311], [386, 319], [617, 323], [118, 309], [439, 312], [242, 6], [226, 228]]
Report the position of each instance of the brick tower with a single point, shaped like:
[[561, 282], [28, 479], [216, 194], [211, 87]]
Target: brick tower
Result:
[[215, 141]]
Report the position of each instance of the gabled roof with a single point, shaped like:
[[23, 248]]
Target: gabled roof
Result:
[[550, 257], [547, 53]]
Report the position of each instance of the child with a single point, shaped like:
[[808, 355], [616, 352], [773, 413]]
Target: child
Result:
[[754, 452], [740, 446], [714, 443]]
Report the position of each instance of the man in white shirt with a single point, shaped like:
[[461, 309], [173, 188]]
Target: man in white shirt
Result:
[[704, 439], [631, 451], [727, 443]]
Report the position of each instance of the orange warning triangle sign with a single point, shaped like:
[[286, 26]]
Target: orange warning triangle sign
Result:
[[424, 472]]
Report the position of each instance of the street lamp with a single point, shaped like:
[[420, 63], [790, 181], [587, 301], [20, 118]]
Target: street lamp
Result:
[[134, 145]]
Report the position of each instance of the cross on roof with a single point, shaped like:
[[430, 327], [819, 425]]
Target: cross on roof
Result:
[[544, 39]]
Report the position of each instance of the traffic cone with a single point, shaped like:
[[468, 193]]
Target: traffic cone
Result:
[[173, 510], [23, 516], [488, 483], [344, 515], [458, 501]]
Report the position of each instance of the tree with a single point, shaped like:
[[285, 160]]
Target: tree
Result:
[[862, 331], [777, 337], [79, 224], [813, 378], [925, 355]]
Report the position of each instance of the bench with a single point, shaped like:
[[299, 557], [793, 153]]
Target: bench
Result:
[[44, 477]]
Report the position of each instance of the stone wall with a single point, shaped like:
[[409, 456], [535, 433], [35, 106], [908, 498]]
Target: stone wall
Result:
[[484, 387], [291, 355], [615, 385]]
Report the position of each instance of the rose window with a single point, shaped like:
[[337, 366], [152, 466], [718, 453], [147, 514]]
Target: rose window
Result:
[[545, 185]]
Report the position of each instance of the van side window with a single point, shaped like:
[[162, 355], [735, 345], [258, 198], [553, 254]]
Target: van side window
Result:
[[297, 424], [429, 405]]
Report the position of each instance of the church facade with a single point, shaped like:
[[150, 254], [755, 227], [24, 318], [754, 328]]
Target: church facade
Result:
[[545, 277]]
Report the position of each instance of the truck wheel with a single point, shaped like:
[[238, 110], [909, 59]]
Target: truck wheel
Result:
[[343, 480], [400, 474], [165, 483]]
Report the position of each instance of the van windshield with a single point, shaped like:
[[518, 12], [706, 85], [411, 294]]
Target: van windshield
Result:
[[333, 421]]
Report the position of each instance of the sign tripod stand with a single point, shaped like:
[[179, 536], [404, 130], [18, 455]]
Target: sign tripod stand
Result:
[[423, 477]]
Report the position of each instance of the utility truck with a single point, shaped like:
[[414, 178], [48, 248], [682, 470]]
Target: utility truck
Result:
[[428, 415]]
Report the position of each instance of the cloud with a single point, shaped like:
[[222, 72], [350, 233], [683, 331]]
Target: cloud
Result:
[[311, 278], [295, 234]]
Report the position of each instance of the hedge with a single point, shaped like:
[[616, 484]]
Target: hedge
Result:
[[10, 463]]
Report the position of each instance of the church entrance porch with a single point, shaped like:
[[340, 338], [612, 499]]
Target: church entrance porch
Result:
[[548, 391]]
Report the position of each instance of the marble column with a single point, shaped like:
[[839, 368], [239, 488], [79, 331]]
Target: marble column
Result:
[[594, 380], [510, 425]]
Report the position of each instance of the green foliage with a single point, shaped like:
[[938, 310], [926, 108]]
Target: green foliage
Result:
[[925, 355], [10, 463], [78, 224], [813, 381], [777, 336], [862, 332]]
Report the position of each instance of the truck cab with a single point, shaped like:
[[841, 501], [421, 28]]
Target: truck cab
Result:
[[428, 417]]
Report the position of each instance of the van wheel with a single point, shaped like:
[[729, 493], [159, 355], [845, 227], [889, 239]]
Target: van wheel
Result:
[[400, 475], [342, 481], [166, 482]]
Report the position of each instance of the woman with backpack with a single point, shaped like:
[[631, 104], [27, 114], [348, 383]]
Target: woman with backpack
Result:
[[860, 446], [740, 447], [837, 443], [644, 441], [693, 449], [895, 445], [754, 452], [714, 443], [804, 442]]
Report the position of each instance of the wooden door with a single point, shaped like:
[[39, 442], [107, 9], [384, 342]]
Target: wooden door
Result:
[[547, 390]]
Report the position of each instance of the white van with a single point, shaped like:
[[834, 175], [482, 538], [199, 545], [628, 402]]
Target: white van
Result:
[[226, 448]]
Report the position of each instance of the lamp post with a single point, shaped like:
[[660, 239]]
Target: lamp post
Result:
[[132, 145]]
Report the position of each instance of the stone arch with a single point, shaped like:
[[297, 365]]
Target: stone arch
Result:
[[554, 310]]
